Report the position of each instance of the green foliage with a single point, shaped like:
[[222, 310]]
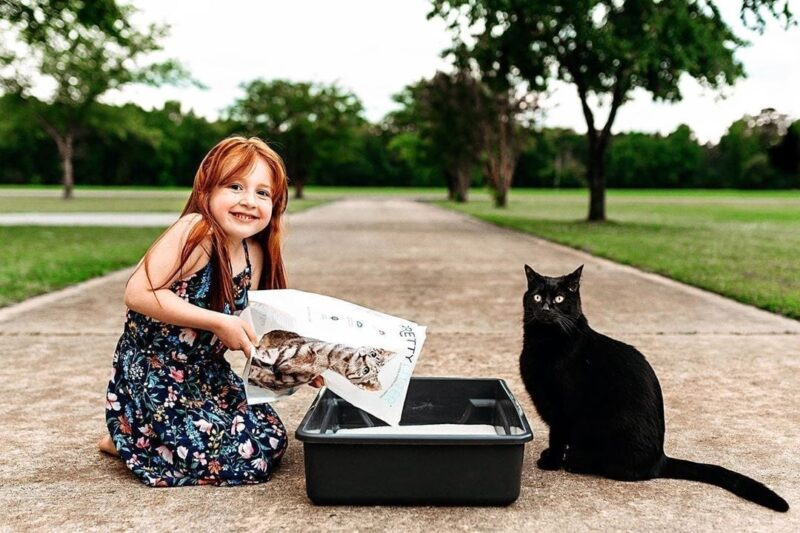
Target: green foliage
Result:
[[306, 123], [785, 155], [83, 50], [27, 155], [753, 153], [133, 146], [413, 153], [444, 115], [129, 146], [606, 48], [650, 160], [554, 158]]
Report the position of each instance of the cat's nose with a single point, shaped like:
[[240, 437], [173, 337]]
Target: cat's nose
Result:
[[545, 307]]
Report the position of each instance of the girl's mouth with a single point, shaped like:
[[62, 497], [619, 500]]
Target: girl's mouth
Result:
[[243, 217]]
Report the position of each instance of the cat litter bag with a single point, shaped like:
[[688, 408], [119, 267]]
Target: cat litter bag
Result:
[[365, 357]]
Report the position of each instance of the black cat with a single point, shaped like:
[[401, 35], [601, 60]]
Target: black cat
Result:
[[601, 398]]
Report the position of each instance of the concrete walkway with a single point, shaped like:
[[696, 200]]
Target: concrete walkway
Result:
[[730, 376], [158, 220]]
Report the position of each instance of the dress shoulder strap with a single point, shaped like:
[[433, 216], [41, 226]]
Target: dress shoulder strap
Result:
[[246, 253]]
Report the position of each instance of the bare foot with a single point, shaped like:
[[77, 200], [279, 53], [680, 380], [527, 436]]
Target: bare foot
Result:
[[107, 446]]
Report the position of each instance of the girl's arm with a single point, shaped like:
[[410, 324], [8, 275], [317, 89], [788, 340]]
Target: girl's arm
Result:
[[164, 259]]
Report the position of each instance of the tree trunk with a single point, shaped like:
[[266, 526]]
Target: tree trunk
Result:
[[501, 198], [64, 143], [499, 173], [298, 188], [500, 145], [449, 181], [461, 192], [559, 164], [598, 142], [597, 181], [66, 163]]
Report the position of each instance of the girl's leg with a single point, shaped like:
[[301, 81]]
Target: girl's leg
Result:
[[106, 445]]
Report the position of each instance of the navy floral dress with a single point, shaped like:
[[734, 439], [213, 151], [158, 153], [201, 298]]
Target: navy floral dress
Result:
[[175, 409]]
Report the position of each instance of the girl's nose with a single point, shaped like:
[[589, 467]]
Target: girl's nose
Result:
[[247, 199]]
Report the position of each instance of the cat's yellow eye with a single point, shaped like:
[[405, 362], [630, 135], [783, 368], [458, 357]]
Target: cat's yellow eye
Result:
[[537, 298], [559, 299]]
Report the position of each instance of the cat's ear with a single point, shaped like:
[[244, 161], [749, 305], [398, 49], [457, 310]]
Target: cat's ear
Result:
[[534, 278], [573, 280]]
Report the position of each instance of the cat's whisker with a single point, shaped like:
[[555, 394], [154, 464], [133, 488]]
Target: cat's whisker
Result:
[[566, 324]]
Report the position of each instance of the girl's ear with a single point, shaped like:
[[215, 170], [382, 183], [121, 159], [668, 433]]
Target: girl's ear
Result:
[[534, 278], [573, 280]]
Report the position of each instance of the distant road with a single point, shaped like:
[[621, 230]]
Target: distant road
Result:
[[88, 219], [98, 193]]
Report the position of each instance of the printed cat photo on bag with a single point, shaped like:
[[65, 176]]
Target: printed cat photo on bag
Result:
[[284, 359]]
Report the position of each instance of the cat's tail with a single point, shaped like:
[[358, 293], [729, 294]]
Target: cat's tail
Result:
[[739, 484]]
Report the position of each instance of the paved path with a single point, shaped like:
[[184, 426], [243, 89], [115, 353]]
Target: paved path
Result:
[[158, 220], [729, 374]]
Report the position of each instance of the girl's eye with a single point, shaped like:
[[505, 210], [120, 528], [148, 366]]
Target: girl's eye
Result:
[[235, 186], [264, 194], [537, 298], [559, 299]]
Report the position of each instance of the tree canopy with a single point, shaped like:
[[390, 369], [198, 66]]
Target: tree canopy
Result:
[[82, 49], [606, 48], [302, 119]]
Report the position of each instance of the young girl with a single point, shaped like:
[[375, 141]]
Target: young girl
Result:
[[175, 410]]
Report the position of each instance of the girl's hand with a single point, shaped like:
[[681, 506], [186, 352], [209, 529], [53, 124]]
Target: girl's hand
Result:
[[235, 333]]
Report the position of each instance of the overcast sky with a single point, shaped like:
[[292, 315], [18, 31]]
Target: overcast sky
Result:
[[376, 47]]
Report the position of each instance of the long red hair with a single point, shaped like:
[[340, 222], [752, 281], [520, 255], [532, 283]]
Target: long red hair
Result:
[[232, 158]]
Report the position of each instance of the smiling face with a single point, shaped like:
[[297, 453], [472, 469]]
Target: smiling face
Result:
[[242, 205]]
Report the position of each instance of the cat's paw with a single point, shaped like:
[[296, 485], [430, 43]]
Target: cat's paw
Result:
[[549, 461]]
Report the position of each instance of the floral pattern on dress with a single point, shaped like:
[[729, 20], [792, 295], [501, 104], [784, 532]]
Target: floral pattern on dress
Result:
[[175, 409]]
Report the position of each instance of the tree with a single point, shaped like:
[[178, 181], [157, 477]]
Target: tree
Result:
[[651, 160], [744, 151], [504, 116], [26, 154], [785, 156], [552, 157], [606, 48], [302, 118], [413, 146], [446, 112], [83, 49]]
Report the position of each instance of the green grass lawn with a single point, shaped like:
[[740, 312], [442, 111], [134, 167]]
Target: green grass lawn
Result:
[[744, 245], [40, 259]]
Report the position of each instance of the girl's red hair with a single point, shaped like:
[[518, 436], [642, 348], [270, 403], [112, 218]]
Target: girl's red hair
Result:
[[230, 159]]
